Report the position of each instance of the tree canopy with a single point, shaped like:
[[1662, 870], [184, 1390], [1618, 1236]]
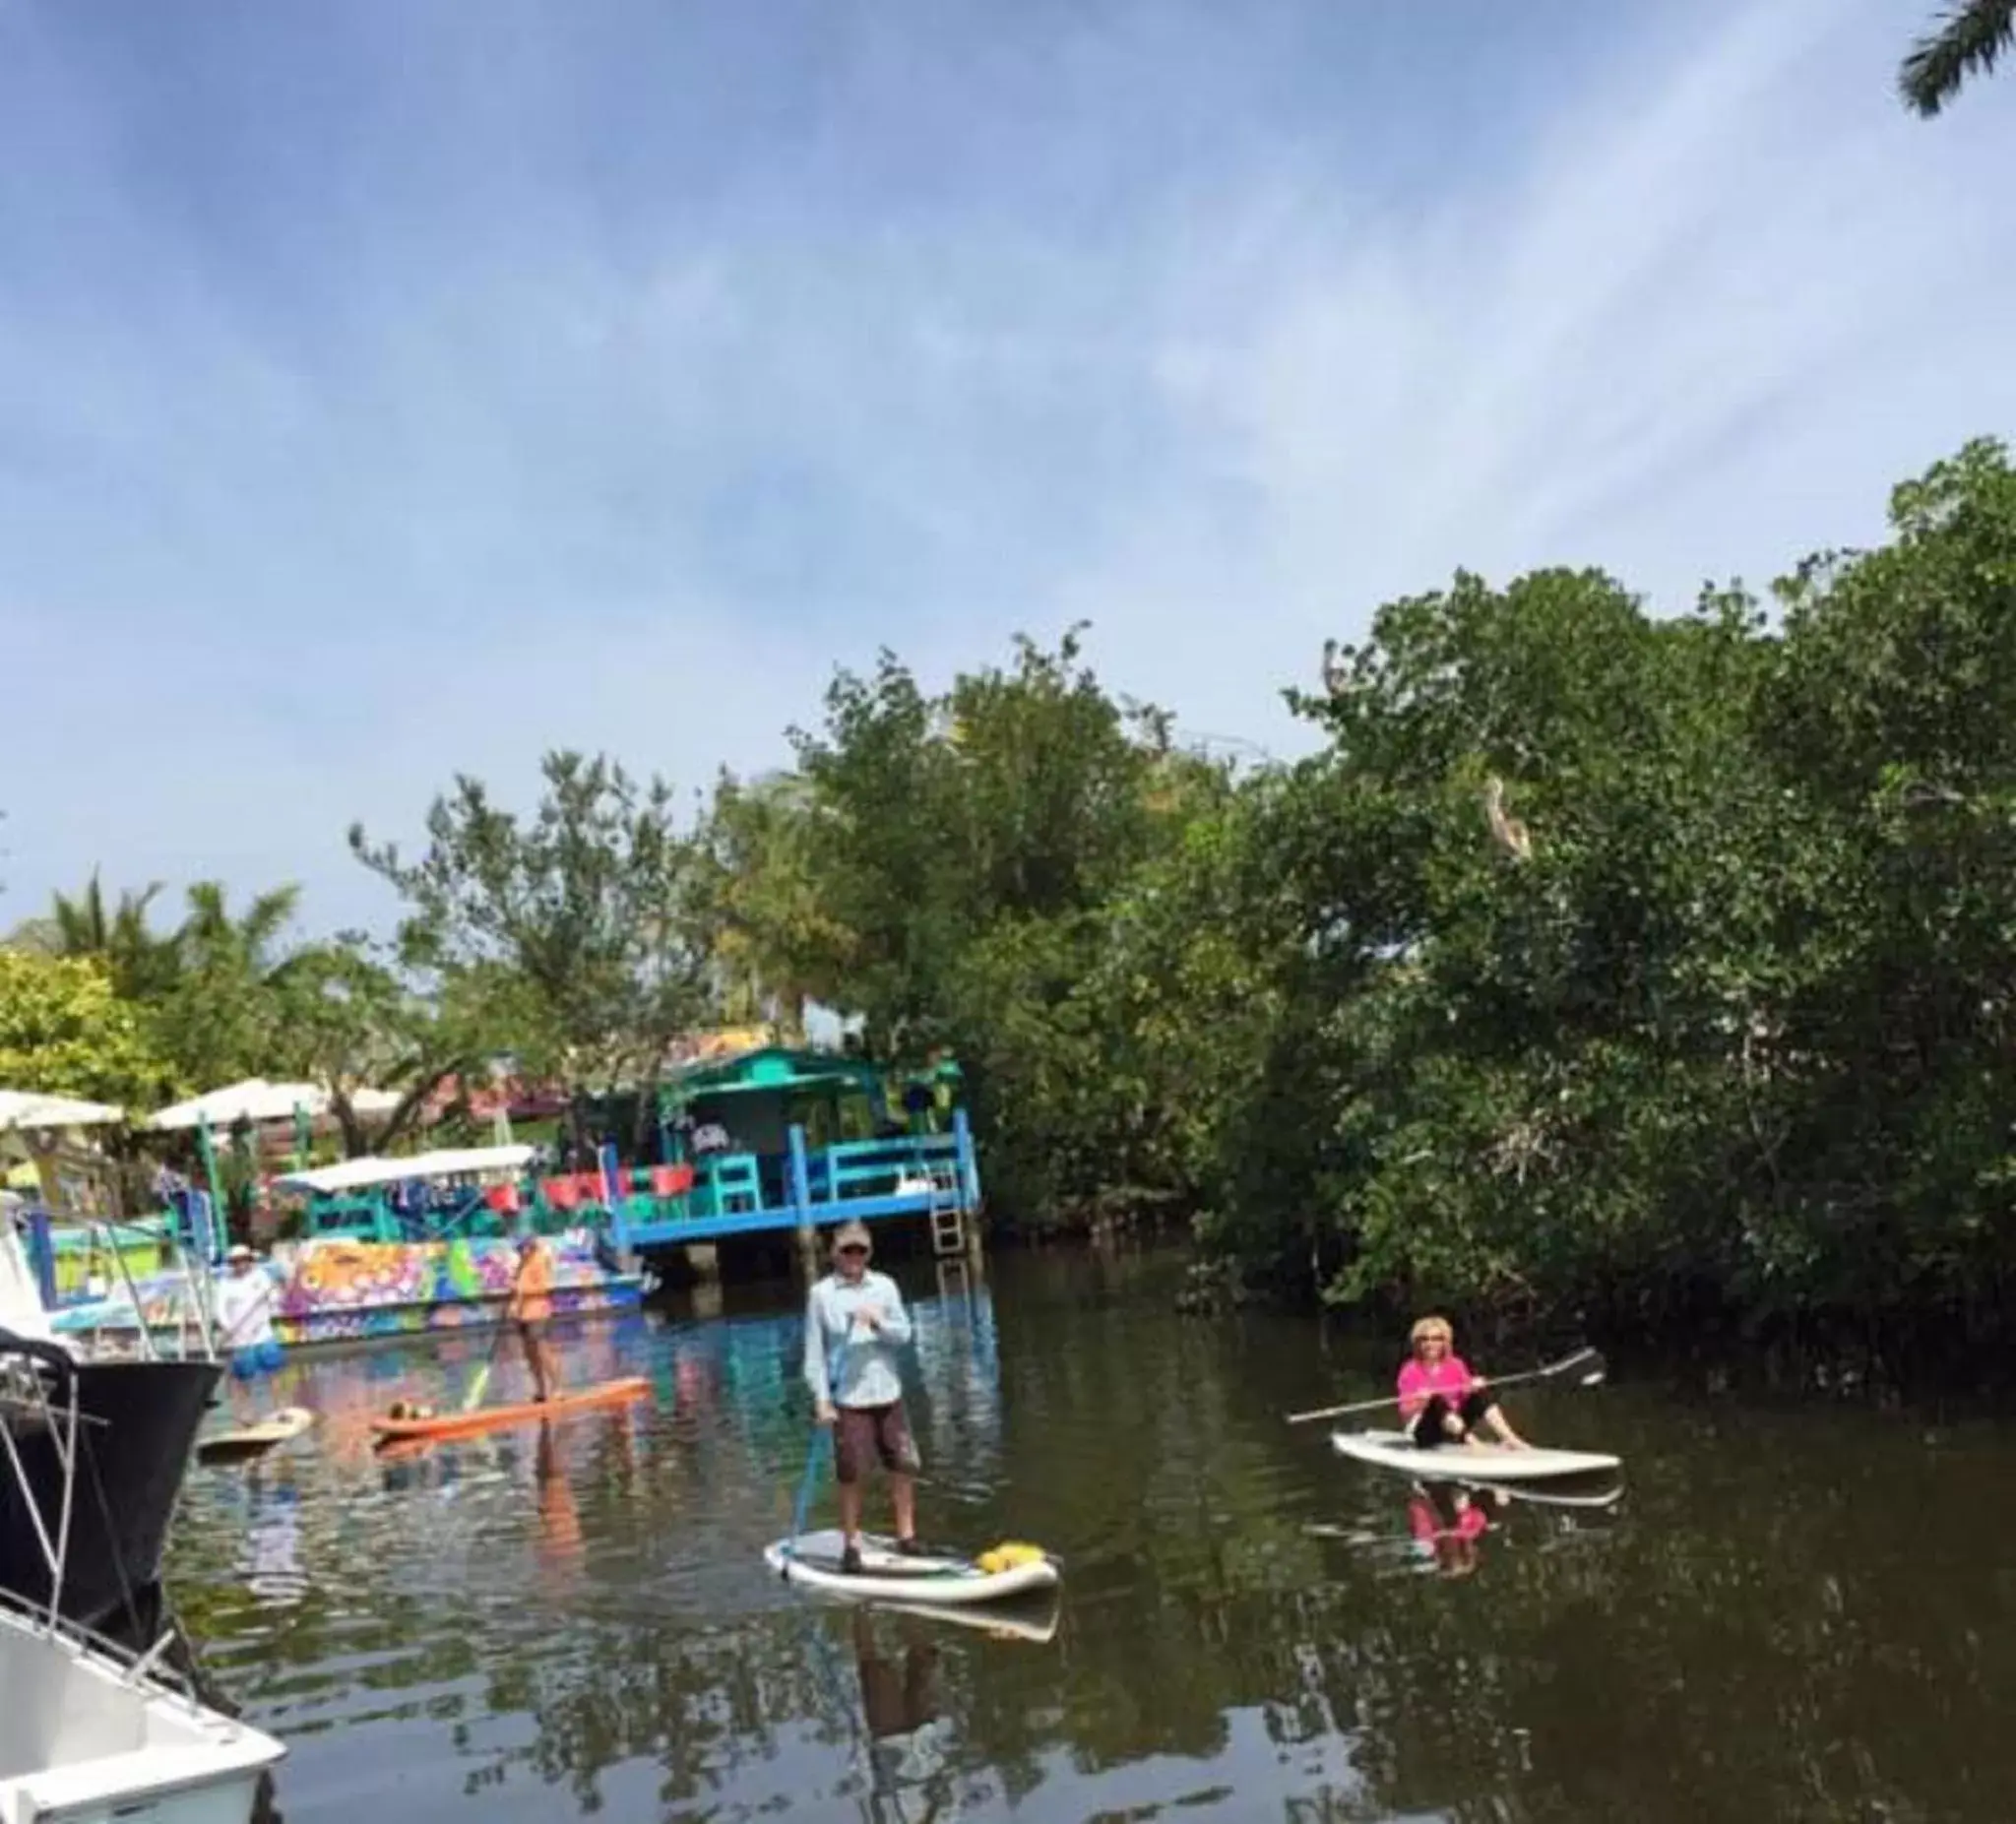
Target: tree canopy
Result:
[[1650, 971]]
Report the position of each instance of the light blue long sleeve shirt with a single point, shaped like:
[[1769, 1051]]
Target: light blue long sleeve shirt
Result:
[[867, 1358]]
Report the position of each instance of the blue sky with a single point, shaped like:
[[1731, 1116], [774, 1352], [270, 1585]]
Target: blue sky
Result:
[[392, 386]]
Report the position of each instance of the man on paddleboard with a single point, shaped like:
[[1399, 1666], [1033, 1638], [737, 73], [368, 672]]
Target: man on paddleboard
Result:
[[532, 1307], [1440, 1400], [245, 1300], [855, 1325]]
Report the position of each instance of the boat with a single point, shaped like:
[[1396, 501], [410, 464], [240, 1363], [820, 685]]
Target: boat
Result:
[[391, 1249], [1468, 1462], [439, 1427], [256, 1438], [812, 1560], [141, 1419], [92, 1731]]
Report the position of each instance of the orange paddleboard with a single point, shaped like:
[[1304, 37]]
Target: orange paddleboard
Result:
[[525, 1413]]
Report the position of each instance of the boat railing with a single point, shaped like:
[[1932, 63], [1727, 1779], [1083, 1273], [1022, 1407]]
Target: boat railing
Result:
[[194, 1295], [45, 1394]]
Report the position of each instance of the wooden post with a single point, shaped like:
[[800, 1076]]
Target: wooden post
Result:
[[969, 1162], [800, 1178], [614, 1192]]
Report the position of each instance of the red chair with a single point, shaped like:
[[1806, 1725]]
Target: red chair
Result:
[[502, 1199], [670, 1181], [561, 1193]]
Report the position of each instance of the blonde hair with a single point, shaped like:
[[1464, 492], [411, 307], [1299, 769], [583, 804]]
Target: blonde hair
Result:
[[1427, 1327]]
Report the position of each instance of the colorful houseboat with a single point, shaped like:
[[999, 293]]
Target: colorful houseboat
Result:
[[389, 1248], [777, 1139]]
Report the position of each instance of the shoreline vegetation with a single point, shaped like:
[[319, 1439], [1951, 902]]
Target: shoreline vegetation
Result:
[[1653, 978]]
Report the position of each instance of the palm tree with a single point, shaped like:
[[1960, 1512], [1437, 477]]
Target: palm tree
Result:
[[142, 963], [1974, 33], [228, 1013]]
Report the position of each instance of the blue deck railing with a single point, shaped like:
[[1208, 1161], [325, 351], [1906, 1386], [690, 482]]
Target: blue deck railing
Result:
[[729, 1193], [746, 1193]]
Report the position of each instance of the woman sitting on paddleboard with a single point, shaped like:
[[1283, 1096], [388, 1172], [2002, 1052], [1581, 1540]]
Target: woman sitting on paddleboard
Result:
[[855, 1323], [1440, 1400]]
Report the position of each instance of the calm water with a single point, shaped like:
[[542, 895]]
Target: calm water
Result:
[[1790, 1614]]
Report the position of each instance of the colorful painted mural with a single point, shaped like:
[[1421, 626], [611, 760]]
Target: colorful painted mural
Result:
[[339, 1291]]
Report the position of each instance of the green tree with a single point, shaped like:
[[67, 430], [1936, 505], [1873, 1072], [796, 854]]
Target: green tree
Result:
[[965, 851], [1970, 40], [65, 1031], [772, 941], [579, 930], [143, 962], [226, 1013]]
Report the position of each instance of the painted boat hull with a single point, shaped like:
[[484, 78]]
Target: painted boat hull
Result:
[[1394, 1450], [888, 1577], [149, 1413], [446, 1425]]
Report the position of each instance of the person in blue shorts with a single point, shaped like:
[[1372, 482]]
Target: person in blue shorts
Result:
[[245, 1298]]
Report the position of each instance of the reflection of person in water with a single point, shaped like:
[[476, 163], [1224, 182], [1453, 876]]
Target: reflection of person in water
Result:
[[273, 1545], [1447, 1522], [560, 1518], [899, 1705]]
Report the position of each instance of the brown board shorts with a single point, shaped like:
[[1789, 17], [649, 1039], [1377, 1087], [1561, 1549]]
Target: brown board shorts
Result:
[[881, 1430]]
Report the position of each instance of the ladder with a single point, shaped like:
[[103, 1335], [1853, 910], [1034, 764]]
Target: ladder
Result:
[[948, 1219]]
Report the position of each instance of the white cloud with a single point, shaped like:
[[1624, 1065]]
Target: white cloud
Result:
[[468, 496]]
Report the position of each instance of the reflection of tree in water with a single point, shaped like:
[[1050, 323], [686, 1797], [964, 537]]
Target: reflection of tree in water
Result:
[[1739, 1661]]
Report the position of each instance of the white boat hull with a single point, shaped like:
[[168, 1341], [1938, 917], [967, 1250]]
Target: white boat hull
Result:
[[886, 1576], [86, 1739], [1468, 1463]]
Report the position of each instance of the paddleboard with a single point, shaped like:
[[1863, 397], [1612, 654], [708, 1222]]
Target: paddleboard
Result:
[[461, 1424], [289, 1421], [888, 1576], [1478, 1463]]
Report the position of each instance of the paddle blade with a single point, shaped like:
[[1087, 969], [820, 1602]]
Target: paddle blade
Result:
[[479, 1385], [1589, 1370]]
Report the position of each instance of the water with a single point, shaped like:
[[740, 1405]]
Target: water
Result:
[[1792, 1614]]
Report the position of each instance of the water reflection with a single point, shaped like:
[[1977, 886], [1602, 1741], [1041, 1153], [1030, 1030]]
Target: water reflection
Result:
[[1758, 1623]]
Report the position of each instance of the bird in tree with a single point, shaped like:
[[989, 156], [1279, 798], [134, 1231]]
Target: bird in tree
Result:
[[1973, 36], [1512, 835]]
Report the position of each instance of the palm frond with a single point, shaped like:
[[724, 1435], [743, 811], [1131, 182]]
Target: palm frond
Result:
[[1975, 34]]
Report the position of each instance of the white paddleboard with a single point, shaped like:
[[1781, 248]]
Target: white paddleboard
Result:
[[251, 1440], [886, 1576], [1468, 1463]]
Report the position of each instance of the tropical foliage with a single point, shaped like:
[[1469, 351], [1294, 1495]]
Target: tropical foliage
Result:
[[1650, 969], [1971, 38]]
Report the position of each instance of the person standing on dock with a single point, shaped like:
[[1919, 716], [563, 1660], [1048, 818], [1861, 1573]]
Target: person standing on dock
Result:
[[532, 1307], [855, 1324]]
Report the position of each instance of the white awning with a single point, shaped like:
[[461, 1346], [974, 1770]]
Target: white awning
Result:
[[21, 1108], [356, 1175], [255, 1100], [258, 1101]]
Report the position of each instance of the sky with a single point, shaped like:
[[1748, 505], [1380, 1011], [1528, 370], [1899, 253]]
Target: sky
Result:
[[397, 388]]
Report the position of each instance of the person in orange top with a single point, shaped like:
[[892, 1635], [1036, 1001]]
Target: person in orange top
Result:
[[531, 1307]]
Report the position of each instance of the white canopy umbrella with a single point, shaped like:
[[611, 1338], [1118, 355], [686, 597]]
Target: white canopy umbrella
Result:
[[446, 1162], [255, 1100], [23, 1108]]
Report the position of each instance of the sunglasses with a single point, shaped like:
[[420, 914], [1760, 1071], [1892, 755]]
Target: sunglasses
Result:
[[853, 1247]]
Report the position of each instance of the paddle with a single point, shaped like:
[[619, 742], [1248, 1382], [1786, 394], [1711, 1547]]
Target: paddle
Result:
[[1585, 1365], [806, 1480], [479, 1381]]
